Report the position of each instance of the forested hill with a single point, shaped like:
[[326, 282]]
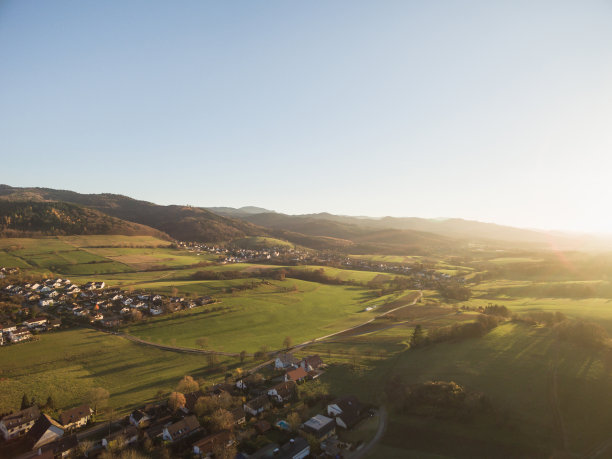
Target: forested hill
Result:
[[180, 222], [20, 218]]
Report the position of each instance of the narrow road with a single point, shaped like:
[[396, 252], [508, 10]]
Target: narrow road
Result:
[[322, 338], [188, 350], [382, 427]]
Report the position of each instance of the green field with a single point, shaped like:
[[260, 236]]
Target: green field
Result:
[[513, 365], [259, 242], [66, 364], [263, 317]]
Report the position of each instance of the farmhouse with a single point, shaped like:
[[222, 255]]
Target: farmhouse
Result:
[[285, 361], [239, 415], [17, 424], [311, 363], [299, 374], [181, 429], [21, 334], [139, 418], [191, 398], [348, 411], [320, 426], [282, 392], [75, 417], [207, 445], [257, 405], [45, 430], [61, 447], [297, 448]]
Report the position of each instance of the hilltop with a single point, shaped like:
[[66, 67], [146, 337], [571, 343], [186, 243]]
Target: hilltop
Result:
[[180, 222], [64, 219]]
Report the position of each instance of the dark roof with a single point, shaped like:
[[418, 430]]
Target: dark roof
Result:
[[285, 389], [183, 427], [21, 417], [191, 398], [291, 448], [42, 424], [137, 415], [287, 358], [352, 409], [258, 402], [238, 414], [211, 442], [74, 414], [62, 445], [262, 426], [314, 361]]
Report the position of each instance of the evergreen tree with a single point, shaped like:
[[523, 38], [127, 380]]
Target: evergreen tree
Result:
[[25, 402], [50, 403]]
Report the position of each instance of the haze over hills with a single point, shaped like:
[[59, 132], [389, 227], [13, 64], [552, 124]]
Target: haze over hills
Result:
[[319, 231]]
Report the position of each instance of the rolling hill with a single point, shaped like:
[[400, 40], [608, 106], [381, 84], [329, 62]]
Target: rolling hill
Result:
[[180, 222], [21, 218]]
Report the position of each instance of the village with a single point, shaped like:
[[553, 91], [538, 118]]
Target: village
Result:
[[36, 307], [424, 274], [279, 411]]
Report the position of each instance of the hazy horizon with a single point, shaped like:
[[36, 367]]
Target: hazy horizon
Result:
[[490, 112]]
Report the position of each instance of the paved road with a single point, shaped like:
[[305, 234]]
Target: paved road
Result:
[[382, 427]]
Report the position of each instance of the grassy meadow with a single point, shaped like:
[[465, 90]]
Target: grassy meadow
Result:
[[66, 364], [263, 316], [545, 393]]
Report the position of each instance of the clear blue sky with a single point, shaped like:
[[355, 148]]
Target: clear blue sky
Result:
[[496, 111]]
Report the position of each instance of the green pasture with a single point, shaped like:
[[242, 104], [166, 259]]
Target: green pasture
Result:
[[66, 364], [260, 242], [263, 317]]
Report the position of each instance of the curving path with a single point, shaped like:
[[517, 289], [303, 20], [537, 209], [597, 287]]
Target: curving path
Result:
[[382, 427]]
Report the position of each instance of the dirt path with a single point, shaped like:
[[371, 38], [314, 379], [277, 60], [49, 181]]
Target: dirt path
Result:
[[382, 427], [188, 350], [350, 329]]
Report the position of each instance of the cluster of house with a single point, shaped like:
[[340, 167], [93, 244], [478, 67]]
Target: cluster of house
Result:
[[4, 271], [92, 302], [42, 436], [252, 400], [11, 333], [423, 278], [237, 255]]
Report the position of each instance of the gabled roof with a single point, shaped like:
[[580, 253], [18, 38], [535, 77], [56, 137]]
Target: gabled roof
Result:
[[21, 417], [62, 445], [238, 414], [284, 389], [297, 374], [287, 358], [183, 427], [258, 402], [74, 414], [191, 398], [42, 424], [314, 361], [211, 442]]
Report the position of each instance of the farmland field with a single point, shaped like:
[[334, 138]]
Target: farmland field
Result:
[[263, 317], [528, 354], [66, 364]]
